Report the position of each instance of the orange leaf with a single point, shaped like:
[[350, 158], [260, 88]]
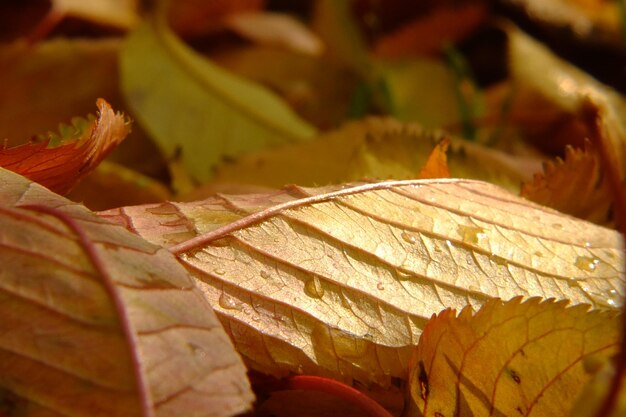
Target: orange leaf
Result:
[[436, 166], [509, 359], [427, 35], [575, 185], [61, 168]]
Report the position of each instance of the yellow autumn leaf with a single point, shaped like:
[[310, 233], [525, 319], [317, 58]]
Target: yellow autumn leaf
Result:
[[508, 359], [194, 110], [341, 280], [380, 148]]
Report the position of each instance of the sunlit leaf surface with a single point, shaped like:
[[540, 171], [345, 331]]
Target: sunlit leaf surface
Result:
[[508, 359], [341, 280]]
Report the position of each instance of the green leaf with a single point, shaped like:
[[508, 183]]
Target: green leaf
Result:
[[193, 108]]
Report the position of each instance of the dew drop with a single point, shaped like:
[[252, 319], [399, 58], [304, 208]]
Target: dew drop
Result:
[[228, 302], [587, 263], [538, 254], [471, 234], [313, 288], [498, 260], [264, 274], [219, 271], [587, 244], [408, 238], [613, 299], [380, 286], [402, 275]]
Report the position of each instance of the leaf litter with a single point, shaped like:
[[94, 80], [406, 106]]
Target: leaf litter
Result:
[[338, 276]]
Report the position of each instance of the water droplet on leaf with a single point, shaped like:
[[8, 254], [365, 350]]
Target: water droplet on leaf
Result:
[[229, 303], [313, 288], [408, 238], [219, 271], [380, 286], [471, 234], [264, 274], [587, 263]]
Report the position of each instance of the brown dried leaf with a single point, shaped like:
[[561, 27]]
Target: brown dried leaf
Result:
[[341, 280], [508, 359], [575, 185], [59, 168], [98, 322]]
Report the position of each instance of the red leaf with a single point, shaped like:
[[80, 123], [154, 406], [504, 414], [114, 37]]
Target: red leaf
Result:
[[60, 168]]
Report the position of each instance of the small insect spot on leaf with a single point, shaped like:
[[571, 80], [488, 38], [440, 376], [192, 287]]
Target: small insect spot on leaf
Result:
[[423, 378], [515, 376]]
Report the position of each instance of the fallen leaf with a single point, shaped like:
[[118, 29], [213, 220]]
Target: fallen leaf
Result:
[[508, 359], [575, 185], [429, 34], [340, 281], [48, 83], [279, 29], [196, 110], [120, 13], [379, 148], [60, 166], [98, 322]]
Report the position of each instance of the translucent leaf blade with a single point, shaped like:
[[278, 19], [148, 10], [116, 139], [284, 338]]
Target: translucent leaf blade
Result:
[[341, 280]]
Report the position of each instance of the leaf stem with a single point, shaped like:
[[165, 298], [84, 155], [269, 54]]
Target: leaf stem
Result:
[[337, 389]]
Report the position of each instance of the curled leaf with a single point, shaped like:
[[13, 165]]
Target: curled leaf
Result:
[[81, 149], [98, 322], [574, 185], [508, 359], [195, 110], [340, 281]]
